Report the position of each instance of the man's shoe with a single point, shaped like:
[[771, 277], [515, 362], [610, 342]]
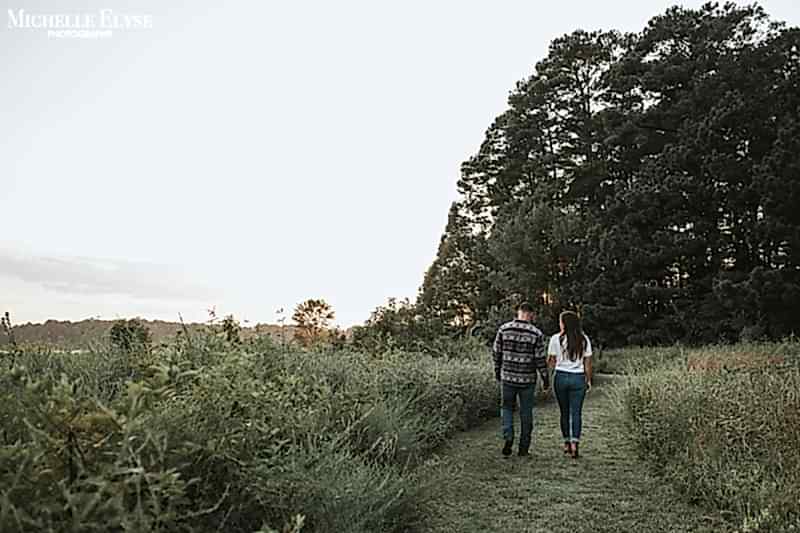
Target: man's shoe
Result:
[[507, 448], [523, 452]]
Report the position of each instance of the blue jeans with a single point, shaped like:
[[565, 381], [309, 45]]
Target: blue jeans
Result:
[[570, 390], [509, 394]]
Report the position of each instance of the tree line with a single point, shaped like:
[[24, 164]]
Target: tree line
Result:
[[650, 181]]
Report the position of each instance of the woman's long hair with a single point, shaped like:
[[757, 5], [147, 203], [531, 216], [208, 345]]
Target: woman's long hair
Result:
[[573, 332]]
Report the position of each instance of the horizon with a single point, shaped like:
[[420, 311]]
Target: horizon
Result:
[[244, 325], [247, 160]]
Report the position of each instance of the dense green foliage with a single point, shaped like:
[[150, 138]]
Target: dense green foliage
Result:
[[723, 425], [130, 335], [209, 435], [400, 325], [649, 180]]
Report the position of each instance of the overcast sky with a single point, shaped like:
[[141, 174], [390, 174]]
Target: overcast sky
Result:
[[251, 156]]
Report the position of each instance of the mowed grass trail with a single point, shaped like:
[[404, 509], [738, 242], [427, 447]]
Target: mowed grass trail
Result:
[[607, 489]]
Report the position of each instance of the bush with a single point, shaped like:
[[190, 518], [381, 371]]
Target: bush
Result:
[[130, 336], [725, 429], [209, 435]]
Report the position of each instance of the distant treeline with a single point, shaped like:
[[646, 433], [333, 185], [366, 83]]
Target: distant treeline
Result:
[[77, 335], [650, 181]]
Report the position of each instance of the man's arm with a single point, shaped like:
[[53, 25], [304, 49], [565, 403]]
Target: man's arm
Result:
[[540, 359], [497, 353]]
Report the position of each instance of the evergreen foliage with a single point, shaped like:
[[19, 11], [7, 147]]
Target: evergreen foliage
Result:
[[649, 180]]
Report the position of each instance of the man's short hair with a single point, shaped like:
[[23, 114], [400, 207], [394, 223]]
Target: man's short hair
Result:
[[525, 307]]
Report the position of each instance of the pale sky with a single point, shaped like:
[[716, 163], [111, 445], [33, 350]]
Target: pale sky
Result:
[[251, 156]]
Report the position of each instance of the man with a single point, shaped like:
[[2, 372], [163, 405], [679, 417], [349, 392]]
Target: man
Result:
[[519, 354]]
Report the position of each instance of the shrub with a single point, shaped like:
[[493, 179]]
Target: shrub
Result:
[[206, 434], [130, 336]]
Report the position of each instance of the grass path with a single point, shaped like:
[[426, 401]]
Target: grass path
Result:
[[607, 489]]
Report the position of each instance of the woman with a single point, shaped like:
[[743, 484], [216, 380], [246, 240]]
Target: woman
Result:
[[570, 352]]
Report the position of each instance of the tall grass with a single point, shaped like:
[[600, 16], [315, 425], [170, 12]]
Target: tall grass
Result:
[[636, 359], [206, 436], [723, 425]]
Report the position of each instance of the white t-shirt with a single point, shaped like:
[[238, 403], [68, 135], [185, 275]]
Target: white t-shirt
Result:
[[559, 351]]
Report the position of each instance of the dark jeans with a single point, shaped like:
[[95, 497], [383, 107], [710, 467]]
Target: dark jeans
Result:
[[509, 394], [570, 391]]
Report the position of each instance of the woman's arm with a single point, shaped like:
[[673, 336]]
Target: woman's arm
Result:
[[587, 362], [551, 355], [587, 368]]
